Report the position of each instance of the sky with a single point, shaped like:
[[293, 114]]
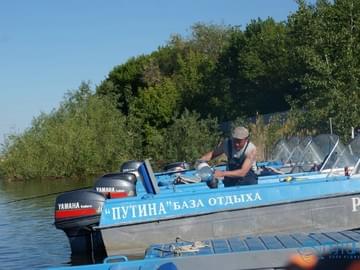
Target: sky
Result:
[[48, 48]]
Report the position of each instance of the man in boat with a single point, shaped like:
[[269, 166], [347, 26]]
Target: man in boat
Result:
[[241, 156]]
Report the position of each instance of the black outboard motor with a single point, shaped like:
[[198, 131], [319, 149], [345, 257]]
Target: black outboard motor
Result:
[[130, 166], [117, 185], [76, 213], [177, 166]]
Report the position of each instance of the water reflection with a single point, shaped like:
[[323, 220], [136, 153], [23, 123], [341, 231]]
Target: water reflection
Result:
[[28, 237]]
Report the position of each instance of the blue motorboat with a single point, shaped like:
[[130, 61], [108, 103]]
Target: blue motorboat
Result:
[[203, 214], [128, 225], [119, 217], [251, 252]]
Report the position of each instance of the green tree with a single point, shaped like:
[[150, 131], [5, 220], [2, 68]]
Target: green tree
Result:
[[325, 41], [264, 67], [189, 137], [124, 81], [225, 81], [156, 105], [252, 71]]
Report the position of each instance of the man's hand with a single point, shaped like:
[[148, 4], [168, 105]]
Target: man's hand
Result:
[[219, 174]]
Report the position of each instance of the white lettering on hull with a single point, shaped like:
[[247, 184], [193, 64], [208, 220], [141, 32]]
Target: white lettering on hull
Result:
[[162, 208], [355, 204]]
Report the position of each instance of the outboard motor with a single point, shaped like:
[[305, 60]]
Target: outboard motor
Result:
[[177, 166], [132, 166], [117, 185], [76, 213]]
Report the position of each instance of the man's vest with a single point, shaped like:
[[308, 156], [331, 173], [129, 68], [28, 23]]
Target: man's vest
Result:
[[235, 163]]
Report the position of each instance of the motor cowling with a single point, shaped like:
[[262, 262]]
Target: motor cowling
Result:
[[130, 166], [78, 208], [117, 185], [177, 166]]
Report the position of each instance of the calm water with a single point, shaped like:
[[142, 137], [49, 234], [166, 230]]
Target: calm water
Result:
[[28, 237]]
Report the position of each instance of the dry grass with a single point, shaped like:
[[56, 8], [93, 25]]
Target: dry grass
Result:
[[265, 135]]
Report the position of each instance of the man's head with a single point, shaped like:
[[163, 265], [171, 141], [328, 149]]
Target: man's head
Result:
[[240, 136]]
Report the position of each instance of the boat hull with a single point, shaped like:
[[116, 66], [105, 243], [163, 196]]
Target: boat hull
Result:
[[314, 215]]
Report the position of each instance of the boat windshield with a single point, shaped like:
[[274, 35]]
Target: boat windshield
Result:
[[317, 151], [323, 152], [344, 156], [354, 150], [281, 151], [284, 149], [298, 152], [354, 146]]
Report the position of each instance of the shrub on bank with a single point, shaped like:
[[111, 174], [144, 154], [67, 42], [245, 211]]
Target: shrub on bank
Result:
[[87, 135]]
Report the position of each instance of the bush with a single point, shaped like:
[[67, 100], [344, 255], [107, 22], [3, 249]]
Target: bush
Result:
[[86, 136]]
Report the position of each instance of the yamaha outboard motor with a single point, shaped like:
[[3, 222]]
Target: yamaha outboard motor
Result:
[[117, 185], [76, 213]]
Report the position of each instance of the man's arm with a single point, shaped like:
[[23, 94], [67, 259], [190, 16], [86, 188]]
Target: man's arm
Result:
[[249, 160], [219, 150], [208, 156]]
